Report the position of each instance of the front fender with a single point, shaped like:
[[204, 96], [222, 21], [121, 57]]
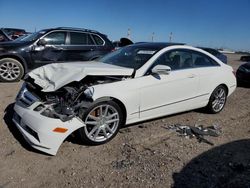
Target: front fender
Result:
[[129, 97]]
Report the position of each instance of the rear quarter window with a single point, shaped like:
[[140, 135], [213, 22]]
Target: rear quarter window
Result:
[[98, 40], [202, 60]]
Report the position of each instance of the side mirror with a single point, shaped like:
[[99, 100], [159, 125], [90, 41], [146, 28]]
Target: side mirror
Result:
[[161, 69], [41, 42]]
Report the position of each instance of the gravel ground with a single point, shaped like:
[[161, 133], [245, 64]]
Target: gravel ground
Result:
[[141, 155]]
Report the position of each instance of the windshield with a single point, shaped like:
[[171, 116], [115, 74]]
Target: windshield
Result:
[[32, 36], [21, 37], [129, 56]]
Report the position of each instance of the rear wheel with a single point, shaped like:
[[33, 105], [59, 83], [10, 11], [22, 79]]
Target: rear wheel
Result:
[[217, 100], [103, 121], [11, 70]]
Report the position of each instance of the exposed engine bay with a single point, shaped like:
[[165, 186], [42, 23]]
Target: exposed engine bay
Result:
[[68, 101]]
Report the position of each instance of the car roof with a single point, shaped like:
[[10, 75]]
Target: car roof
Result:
[[210, 50], [72, 29], [246, 65], [206, 48], [14, 29], [155, 45]]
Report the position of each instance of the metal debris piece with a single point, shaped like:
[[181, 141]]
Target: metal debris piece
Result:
[[197, 131]]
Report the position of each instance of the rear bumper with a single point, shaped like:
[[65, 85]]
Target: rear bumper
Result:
[[38, 129]]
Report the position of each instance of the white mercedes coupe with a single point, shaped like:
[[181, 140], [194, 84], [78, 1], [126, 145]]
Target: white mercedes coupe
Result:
[[135, 83]]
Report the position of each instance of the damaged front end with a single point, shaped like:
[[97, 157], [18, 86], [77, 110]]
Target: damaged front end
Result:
[[54, 98], [66, 102]]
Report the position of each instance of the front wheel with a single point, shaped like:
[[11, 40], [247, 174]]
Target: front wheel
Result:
[[103, 121], [217, 100]]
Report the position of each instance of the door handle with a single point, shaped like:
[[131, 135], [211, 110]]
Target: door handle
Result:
[[191, 76], [58, 49], [37, 48]]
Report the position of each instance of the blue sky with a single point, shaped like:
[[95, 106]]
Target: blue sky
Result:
[[213, 23]]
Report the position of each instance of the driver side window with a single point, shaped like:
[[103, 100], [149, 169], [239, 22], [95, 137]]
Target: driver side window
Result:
[[55, 38], [175, 59]]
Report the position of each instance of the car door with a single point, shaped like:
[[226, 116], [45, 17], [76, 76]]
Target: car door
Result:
[[52, 50], [175, 92], [208, 71], [81, 47]]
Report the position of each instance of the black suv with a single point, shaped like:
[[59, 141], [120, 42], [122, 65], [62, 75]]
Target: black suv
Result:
[[60, 44]]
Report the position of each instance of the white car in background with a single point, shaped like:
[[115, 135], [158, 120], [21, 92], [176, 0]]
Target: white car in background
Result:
[[135, 83]]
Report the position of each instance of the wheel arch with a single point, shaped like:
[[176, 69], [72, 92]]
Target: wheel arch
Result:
[[217, 85], [120, 104], [224, 85]]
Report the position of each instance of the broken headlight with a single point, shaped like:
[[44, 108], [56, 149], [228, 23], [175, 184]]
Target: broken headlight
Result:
[[89, 92], [21, 92]]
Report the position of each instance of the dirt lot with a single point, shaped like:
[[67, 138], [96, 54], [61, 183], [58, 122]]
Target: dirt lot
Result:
[[142, 155]]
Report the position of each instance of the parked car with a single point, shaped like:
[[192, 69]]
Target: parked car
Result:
[[243, 74], [135, 83], [14, 33], [216, 53], [3, 36], [121, 43], [10, 34], [50, 46], [245, 58]]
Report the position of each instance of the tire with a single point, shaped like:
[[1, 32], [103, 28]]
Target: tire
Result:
[[101, 129], [217, 100], [11, 70]]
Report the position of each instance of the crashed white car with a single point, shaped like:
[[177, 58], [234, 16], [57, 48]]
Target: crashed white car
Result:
[[135, 83]]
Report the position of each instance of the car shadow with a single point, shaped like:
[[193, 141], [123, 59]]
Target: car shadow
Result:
[[74, 137], [8, 114], [227, 165]]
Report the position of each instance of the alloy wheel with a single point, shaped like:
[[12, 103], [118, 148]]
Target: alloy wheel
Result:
[[101, 123], [9, 71], [219, 100]]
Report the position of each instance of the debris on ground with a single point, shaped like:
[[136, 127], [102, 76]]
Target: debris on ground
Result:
[[197, 131]]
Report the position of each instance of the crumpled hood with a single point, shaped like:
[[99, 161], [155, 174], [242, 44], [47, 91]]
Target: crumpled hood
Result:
[[54, 76]]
